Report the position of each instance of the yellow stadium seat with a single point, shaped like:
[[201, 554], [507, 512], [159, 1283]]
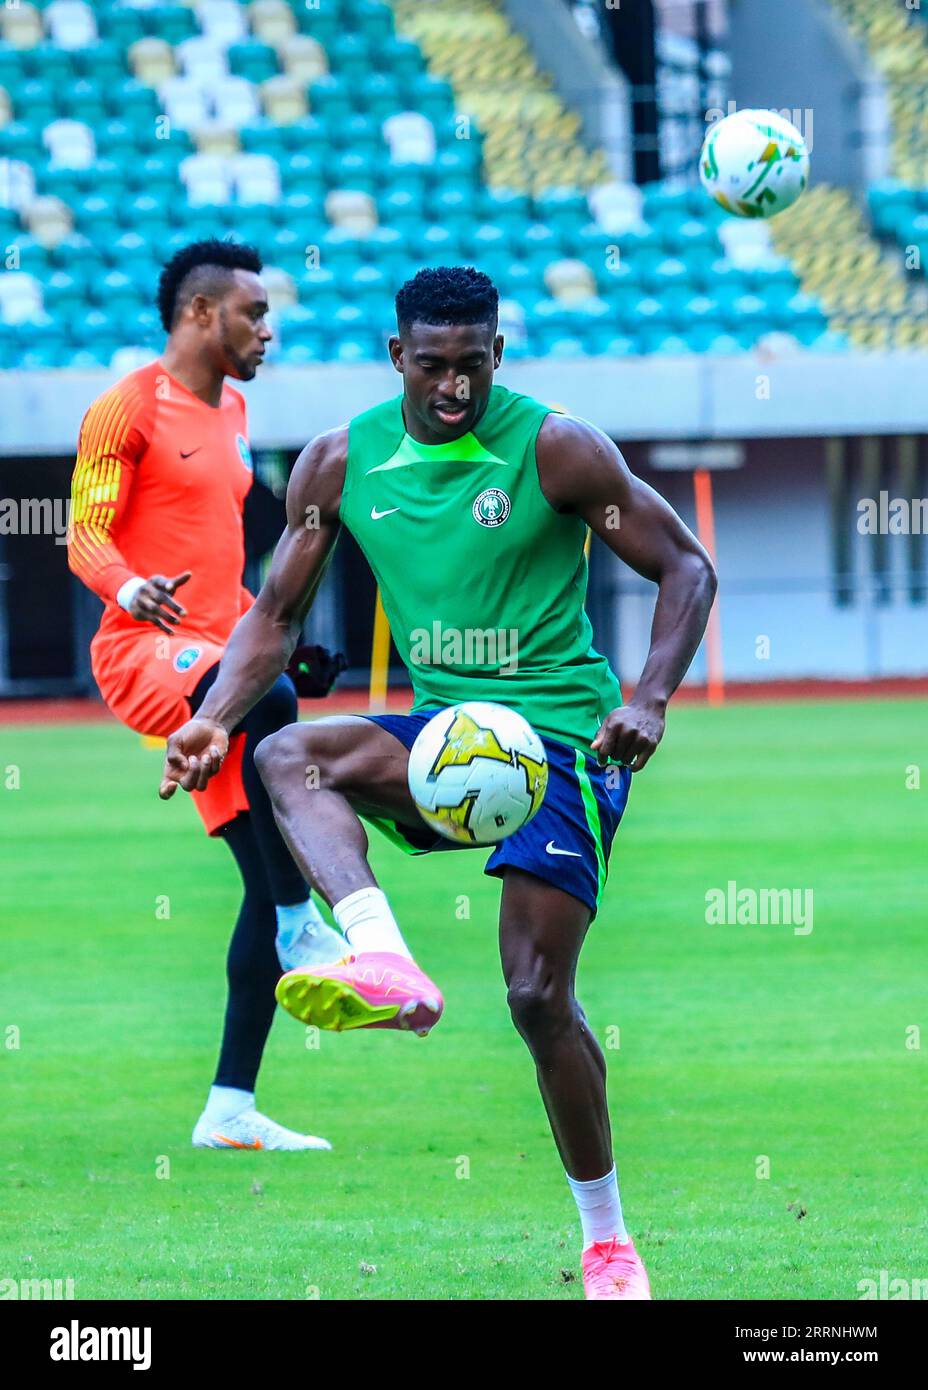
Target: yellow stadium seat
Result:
[[284, 99], [49, 220], [21, 26], [151, 61], [222, 140], [272, 21], [569, 280], [281, 288], [351, 209], [303, 58]]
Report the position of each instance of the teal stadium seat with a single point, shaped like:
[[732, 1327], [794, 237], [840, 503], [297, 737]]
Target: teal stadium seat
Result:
[[253, 60], [52, 64], [329, 96], [658, 276], [350, 55], [104, 61], [401, 57], [18, 140], [374, 19], [361, 170], [121, 26]]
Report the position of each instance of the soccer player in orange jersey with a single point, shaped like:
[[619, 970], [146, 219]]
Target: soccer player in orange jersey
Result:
[[162, 472]]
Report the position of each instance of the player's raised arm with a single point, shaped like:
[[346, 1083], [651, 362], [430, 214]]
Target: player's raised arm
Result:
[[581, 470], [264, 638]]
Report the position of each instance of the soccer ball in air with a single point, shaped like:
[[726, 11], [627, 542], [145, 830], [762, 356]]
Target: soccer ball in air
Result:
[[755, 163], [477, 772]]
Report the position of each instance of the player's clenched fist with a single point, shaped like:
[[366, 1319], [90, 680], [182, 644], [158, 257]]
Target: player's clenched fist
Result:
[[630, 734], [194, 755]]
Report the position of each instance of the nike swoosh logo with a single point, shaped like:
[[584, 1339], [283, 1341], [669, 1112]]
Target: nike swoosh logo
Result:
[[375, 515], [552, 849], [236, 1143], [191, 452]]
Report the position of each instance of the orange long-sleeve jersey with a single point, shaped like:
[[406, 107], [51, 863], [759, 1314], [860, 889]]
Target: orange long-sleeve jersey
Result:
[[158, 488]]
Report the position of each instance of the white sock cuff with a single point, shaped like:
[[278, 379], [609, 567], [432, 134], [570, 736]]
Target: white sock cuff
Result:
[[359, 906], [223, 1102], [594, 1184], [368, 924]]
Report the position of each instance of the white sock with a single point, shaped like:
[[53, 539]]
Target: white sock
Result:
[[600, 1208], [225, 1102], [368, 923], [293, 917]]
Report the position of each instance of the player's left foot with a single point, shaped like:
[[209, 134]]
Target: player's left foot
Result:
[[251, 1130], [317, 944], [374, 989], [613, 1269]]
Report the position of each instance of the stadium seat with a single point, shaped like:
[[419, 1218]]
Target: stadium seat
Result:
[[21, 26], [410, 137], [70, 144], [296, 126], [152, 61], [49, 220], [70, 24]]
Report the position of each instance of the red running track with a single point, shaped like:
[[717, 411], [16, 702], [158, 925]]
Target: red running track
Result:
[[355, 701]]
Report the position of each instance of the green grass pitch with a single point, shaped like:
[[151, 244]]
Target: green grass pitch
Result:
[[739, 1046]]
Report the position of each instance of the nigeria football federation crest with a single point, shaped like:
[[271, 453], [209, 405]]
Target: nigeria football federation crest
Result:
[[187, 658], [492, 506]]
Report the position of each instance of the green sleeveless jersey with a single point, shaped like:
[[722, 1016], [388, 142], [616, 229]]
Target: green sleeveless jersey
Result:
[[482, 581]]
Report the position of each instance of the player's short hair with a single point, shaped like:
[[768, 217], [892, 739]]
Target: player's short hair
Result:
[[203, 267], [447, 294]]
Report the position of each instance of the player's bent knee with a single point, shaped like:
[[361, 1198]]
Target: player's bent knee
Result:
[[279, 754], [299, 750], [541, 1008]]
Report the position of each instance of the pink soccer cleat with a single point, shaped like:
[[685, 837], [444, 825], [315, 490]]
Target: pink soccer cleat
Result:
[[375, 989], [613, 1269]]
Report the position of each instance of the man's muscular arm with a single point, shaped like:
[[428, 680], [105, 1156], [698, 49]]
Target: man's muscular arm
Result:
[[264, 637], [581, 470]]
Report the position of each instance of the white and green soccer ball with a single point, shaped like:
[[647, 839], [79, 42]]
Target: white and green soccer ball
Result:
[[754, 163], [477, 772]]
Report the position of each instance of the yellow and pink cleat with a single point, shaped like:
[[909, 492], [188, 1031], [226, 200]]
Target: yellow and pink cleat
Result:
[[374, 989], [613, 1269]]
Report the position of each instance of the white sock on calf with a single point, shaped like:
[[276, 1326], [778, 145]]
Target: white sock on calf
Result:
[[600, 1208], [293, 917], [368, 923], [225, 1102]]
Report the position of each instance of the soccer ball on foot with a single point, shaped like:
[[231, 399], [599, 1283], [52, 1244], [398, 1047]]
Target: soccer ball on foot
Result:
[[754, 163], [477, 772]]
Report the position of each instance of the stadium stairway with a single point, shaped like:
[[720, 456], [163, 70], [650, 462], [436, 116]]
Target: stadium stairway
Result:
[[530, 138], [865, 293], [896, 39]]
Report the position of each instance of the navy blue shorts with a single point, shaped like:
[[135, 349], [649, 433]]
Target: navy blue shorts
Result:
[[567, 842]]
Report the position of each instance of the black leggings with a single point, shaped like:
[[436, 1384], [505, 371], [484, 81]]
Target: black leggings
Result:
[[269, 876], [252, 967], [274, 710]]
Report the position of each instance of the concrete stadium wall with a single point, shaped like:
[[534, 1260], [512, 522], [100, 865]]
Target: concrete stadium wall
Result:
[[798, 56], [699, 397], [774, 547]]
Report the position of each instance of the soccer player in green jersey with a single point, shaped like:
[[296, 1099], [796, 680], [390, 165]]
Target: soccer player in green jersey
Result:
[[471, 503]]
